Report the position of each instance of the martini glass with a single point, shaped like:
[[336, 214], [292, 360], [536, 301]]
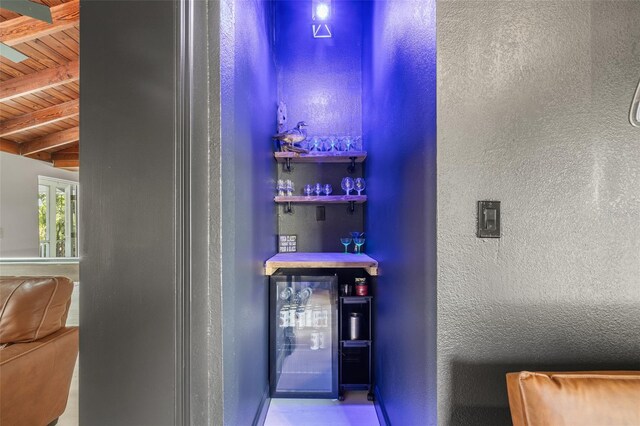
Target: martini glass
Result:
[[345, 242], [358, 242]]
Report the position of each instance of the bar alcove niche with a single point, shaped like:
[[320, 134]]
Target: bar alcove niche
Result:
[[375, 77]]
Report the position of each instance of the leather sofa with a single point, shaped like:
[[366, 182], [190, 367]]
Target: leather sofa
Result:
[[596, 398], [37, 352]]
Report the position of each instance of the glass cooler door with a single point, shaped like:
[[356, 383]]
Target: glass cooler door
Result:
[[304, 341]]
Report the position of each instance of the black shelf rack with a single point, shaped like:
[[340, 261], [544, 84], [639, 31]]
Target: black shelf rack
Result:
[[355, 356]]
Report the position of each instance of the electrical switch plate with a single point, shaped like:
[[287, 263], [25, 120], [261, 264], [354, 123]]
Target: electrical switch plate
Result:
[[320, 215], [488, 219]]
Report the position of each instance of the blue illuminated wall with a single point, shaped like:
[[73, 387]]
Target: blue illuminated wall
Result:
[[321, 82], [321, 79], [377, 75], [399, 111], [248, 96]]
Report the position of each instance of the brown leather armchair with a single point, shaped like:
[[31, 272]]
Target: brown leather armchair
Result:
[[590, 398], [37, 352]]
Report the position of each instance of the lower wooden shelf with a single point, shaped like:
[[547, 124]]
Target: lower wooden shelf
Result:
[[320, 199], [321, 260]]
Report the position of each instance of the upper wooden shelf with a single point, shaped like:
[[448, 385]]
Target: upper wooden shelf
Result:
[[321, 260], [321, 157], [320, 199]]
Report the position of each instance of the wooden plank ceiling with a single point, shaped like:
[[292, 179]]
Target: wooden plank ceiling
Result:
[[39, 97]]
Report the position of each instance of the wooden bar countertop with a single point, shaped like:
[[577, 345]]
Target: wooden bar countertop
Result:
[[321, 260]]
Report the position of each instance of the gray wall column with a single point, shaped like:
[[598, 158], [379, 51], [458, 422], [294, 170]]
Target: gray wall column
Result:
[[533, 108], [150, 339]]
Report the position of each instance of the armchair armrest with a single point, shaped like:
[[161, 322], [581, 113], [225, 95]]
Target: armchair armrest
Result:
[[35, 378]]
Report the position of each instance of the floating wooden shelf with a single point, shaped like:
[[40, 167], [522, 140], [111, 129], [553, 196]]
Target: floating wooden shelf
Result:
[[321, 260], [321, 199], [321, 157]]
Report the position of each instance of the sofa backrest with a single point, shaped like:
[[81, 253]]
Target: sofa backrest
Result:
[[603, 398], [33, 307]]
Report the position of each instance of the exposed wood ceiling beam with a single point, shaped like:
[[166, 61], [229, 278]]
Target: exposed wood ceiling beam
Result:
[[53, 140], [9, 146], [40, 117], [41, 80], [42, 156], [65, 160], [73, 149], [24, 28]]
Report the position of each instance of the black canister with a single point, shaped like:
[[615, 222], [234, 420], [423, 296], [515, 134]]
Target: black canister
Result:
[[354, 325]]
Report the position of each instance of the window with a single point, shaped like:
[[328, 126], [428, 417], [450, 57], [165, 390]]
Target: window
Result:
[[57, 217]]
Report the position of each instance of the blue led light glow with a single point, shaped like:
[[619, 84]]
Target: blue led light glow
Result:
[[322, 11]]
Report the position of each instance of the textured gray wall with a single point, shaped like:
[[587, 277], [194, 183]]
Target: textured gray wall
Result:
[[399, 110], [206, 390], [533, 105], [127, 213], [248, 95]]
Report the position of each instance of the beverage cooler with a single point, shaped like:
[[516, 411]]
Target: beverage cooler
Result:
[[303, 336]]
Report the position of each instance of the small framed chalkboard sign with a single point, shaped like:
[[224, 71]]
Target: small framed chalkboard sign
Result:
[[287, 243]]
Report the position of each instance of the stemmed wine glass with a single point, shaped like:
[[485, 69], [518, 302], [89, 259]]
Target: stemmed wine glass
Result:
[[348, 141], [328, 189], [358, 242], [289, 187], [357, 143], [308, 190], [347, 185], [323, 143], [280, 187], [315, 144], [359, 185], [332, 140], [318, 189], [345, 242]]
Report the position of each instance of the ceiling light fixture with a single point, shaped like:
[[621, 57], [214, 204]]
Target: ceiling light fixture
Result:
[[321, 13]]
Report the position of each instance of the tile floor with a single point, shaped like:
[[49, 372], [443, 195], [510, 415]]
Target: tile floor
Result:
[[355, 410]]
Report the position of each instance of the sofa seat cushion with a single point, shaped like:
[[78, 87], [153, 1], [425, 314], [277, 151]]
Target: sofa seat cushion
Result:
[[584, 398], [32, 307]]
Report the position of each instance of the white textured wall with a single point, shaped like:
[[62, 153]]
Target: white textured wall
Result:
[[533, 106], [19, 203]]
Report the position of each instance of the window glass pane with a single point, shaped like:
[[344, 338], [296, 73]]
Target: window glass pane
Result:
[[60, 221], [73, 204], [58, 217], [43, 205]]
